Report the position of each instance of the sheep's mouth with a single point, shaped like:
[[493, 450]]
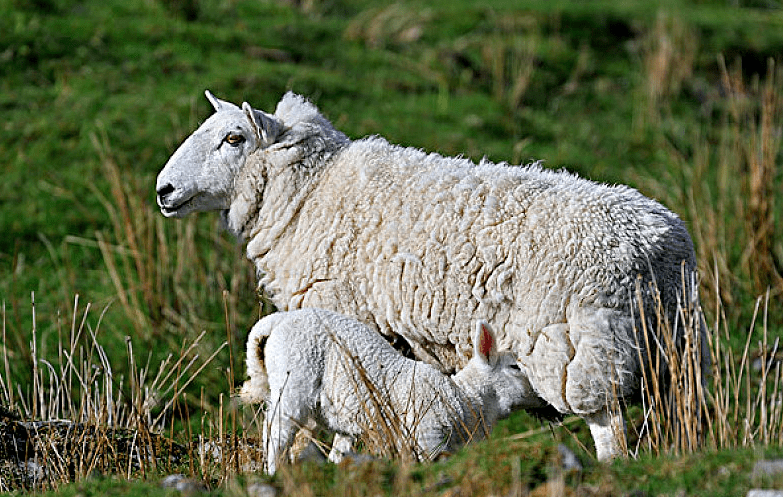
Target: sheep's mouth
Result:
[[178, 209]]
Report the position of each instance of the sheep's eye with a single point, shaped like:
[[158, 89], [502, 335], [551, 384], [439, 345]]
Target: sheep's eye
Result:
[[234, 139]]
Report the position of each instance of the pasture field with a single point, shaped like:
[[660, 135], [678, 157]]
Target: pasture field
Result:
[[114, 317]]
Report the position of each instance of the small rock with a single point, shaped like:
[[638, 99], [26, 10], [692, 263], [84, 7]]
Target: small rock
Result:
[[356, 459], [568, 459], [768, 468], [309, 452], [183, 484], [443, 481], [258, 489]]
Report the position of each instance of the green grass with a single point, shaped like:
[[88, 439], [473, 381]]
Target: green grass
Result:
[[532, 467], [94, 96]]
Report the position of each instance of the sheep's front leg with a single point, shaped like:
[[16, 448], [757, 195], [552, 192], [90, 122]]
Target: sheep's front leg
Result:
[[342, 445], [609, 433]]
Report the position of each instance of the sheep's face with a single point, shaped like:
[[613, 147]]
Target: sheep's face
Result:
[[510, 383], [200, 175], [495, 374]]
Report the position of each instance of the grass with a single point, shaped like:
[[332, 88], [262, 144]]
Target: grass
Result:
[[679, 99]]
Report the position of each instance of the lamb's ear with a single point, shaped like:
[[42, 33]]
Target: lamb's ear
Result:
[[218, 104], [484, 342], [266, 126]]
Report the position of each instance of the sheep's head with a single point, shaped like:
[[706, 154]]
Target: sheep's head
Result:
[[495, 375], [200, 175]]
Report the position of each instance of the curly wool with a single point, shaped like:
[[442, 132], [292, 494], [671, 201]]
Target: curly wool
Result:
[[420, 245], [313, 363]]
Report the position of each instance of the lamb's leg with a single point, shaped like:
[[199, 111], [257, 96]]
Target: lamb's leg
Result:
[[609, 433], [342, 445], [276, 438], [279, 429]]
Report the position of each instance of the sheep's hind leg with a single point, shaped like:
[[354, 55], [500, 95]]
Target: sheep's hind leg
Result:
[[342, 445], [278, 436], [607, 427]]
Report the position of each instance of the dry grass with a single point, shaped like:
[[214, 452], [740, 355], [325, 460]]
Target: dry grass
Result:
[[728, 179], [162, 278], [393, 24], [736, 402], [79, 417], [667, 51]]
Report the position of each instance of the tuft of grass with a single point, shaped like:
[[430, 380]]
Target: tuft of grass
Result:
[[693, 403], [79, 417]]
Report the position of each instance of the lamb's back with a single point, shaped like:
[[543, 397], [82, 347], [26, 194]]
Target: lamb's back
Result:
[[360, 374]]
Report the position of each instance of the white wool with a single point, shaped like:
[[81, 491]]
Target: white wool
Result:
[[320, 364], [419, 246]]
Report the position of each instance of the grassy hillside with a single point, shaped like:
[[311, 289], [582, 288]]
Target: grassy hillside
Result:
[[682, 100]]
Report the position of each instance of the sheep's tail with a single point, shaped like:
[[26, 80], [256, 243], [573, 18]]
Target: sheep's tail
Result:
[[256, 389]]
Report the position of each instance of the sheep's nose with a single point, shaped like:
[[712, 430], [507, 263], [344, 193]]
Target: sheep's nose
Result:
[[164, 191]]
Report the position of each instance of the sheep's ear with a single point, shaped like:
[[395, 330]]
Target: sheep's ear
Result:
[[484, 342], [218, 104], [266, 126]]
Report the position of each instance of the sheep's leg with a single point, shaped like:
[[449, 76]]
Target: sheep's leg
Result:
[[608, 429], [279, 430], [276, 438], [342, 445], [303, 447]]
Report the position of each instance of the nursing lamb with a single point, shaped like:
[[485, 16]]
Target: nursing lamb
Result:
[[419, 246], [313, 362]]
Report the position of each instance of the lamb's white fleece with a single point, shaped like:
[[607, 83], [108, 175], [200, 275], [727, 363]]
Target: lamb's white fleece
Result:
[[320, 364]]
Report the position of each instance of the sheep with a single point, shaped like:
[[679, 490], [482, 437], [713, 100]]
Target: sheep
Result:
[[418, 246], [318, 363]]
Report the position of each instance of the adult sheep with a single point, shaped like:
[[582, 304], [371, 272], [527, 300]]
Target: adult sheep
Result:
[[420, 246]]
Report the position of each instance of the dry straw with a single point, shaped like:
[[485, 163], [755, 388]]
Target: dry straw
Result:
[[683, 414], [78, 417]]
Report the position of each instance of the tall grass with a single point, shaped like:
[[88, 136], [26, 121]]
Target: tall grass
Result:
[[78, 416], [80, 408], [737, 401], [726, 181], [162, 279], [726, 176], [667, 52]]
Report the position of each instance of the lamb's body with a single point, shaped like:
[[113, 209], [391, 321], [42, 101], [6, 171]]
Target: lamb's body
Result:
[[419, 245], [318, 364]]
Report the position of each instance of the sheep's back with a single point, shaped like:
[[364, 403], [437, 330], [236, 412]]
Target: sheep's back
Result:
[[420, 246]]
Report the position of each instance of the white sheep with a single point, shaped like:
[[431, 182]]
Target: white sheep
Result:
[[320, 364], [419, 246]]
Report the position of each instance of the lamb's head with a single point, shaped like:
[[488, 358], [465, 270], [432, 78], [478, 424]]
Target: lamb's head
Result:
[[200, 175], [494, 376]]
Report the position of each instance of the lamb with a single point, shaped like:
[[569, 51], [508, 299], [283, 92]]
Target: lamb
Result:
[[317, 362], [419, 246]]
